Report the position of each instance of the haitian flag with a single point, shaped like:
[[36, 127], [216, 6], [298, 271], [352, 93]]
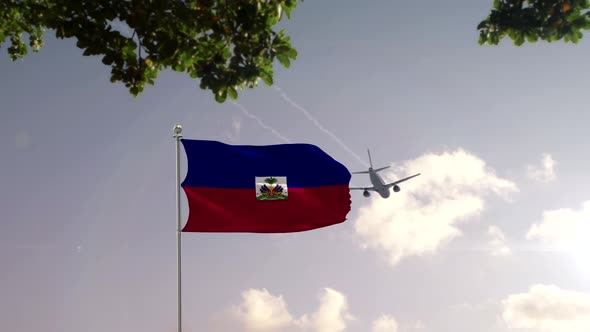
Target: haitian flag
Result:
[[263, 189]]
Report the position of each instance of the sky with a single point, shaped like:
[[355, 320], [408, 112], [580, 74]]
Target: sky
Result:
[[492, 237]]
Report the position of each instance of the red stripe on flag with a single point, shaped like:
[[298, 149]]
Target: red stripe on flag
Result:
[[237, 210]]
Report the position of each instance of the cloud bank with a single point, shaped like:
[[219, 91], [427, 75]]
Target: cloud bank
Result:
[[565, 229], [385, 323], [548, 308], [260, 311]]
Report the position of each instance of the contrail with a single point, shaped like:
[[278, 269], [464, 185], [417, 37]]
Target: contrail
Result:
[[267, 127], [319, 126], [262, 124]]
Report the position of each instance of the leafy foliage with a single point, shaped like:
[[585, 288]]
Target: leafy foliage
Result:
[[531, 20], [228, 44]]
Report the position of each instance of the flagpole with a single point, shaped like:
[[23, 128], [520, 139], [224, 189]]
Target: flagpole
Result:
[[177, 136]]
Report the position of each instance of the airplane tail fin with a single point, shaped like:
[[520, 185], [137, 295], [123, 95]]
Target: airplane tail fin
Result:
[[371, 164]]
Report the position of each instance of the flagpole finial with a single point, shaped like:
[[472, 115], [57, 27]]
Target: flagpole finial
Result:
[[177, 130]]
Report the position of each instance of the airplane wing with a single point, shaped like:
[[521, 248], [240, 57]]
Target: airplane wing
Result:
[[389, 185], [362, 188]]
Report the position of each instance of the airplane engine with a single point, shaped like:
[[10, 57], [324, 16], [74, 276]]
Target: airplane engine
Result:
[[396, 188], [366, 193]]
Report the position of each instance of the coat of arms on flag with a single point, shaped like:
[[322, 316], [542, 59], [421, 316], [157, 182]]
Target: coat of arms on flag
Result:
[[271, 188]]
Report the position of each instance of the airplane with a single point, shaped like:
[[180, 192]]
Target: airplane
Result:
[[379, 185]]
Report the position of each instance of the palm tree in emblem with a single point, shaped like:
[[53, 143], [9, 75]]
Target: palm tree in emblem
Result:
[[272, 189]]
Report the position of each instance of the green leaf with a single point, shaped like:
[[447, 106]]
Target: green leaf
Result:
[[232, 92], [284, 60], [108, 59], [221, 96], [531, 37], [267, 78], [291, 53]]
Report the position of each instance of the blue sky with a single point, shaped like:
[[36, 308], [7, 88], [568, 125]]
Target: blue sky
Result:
[[495, 225]]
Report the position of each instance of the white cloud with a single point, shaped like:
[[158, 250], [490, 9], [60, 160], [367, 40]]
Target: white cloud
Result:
[[497, 242], [260, 311], [545, 172], [425, 214], [332, 315], [564, 228], [385, 323], [548, 308]]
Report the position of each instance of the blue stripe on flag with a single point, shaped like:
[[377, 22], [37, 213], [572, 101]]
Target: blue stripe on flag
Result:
[[214, 164]]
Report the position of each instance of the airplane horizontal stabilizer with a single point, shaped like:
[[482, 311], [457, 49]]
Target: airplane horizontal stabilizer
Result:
[[382, 168]]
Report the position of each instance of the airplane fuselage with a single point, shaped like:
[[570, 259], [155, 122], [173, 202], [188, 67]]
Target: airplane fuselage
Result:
[[378, 184]]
